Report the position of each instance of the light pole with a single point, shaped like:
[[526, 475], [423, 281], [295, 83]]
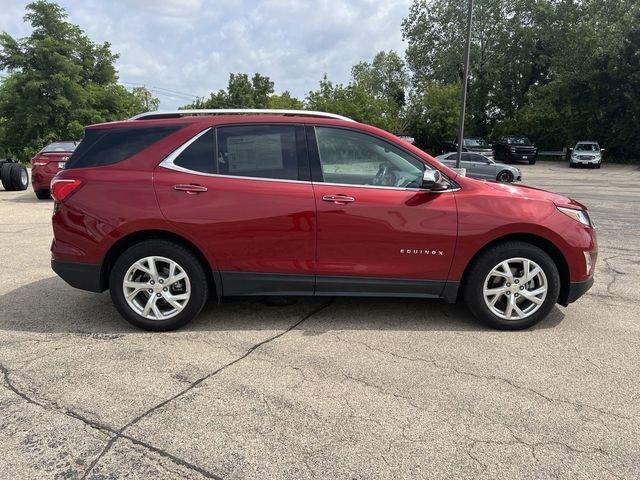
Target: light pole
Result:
[[464, 85]]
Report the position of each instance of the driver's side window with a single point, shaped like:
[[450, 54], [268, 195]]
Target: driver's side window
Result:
[[350, 157]]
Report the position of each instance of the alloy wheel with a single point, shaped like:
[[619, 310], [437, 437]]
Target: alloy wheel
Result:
[[515, 288], [156, 288]]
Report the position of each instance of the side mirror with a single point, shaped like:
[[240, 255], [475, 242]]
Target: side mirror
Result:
[[432, 180]]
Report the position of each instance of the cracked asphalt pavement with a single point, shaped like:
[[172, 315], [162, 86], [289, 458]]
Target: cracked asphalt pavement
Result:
[[341, 389]]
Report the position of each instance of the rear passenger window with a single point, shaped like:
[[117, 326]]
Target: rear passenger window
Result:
[[105, 146], [199, 154], [261, 151]]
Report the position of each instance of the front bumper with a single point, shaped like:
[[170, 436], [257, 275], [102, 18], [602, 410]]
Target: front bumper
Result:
[[85, 276], [576, 290], [590, 161], [523, 156]]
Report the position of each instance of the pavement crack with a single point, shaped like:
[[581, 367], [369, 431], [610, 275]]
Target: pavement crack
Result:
[[53, 407], [120, 433]]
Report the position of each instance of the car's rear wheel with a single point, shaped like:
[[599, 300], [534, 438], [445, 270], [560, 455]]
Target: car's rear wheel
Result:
[[43, 194], [512, 286], [505, 176], [158, 285]]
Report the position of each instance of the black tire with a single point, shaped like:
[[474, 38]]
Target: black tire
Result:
[[532, 162], [505, 176], [480, 268], [43, 194], [598, 165], [572, 165], [5, 176], [19, 177], [188, 262]]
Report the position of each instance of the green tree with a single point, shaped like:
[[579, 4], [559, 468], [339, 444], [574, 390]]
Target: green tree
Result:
[[432, 115], [551, 69], [284, 101], [375, 94], [58, 80], [146, 98], [241, 92]]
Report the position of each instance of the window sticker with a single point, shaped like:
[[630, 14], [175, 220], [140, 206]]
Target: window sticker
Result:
[[248, 153]]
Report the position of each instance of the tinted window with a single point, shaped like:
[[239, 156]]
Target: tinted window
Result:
[[59, 147], [107, 146], [262, 151], [356, 158], [199, 155]]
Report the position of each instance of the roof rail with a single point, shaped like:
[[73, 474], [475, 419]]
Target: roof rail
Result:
[[236, 111]]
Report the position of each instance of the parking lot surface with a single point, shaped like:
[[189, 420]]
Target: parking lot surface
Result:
[[344, 388]]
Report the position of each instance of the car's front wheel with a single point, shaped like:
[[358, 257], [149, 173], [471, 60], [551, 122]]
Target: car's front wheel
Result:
[[512, 286], [158, 285]]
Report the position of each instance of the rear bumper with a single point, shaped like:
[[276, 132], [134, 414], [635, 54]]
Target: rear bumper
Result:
[[576, 290], [41, 180], [85, 276]]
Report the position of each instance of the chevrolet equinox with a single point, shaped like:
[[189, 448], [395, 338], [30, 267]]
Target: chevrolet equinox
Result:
[[166, 209]]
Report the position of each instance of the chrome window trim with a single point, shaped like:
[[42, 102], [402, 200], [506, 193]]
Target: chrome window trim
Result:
[[169, 164], [263, 179], [168, 161]]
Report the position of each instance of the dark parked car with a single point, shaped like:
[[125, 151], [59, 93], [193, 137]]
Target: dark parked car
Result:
[[166, 208], [477, 145], [472, 144], [514, 148]]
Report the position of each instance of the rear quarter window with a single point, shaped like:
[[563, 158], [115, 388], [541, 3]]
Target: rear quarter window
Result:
[[107, 146]]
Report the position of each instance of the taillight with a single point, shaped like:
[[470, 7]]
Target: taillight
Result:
[[61, 188], [39, 163]]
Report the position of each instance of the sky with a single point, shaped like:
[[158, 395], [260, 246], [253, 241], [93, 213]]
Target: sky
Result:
[[181, 49]]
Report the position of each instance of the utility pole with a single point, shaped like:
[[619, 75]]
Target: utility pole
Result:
[[464, 85]]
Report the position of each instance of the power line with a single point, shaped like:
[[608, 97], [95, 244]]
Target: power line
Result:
[[154, 87]]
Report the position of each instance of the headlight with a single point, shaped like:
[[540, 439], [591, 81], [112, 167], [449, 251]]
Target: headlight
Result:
[[578, 215]]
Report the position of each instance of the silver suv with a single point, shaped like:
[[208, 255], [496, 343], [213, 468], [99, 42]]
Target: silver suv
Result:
[[586, 153]]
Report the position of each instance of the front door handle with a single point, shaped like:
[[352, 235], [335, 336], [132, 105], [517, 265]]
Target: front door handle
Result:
[[338, 199], [191, 189]]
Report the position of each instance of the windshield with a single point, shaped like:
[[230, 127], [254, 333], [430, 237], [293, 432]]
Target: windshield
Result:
[[475, 142], [59, 147], [587, 147], [519, 140]]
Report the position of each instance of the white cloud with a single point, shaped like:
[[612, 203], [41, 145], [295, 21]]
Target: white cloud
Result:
[[191, 46]]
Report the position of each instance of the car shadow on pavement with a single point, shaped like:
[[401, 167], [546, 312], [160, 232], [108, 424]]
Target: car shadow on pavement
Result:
[[51, 306], [28, 197]]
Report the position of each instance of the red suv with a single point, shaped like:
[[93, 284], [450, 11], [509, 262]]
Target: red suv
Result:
[[167, 208], [46, 164]]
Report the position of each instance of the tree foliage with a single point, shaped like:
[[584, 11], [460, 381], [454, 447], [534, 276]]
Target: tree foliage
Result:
[[375, 94], [548, 68], [58, 81]]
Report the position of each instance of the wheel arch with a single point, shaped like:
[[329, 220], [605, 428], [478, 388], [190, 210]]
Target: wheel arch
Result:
[[134, 238], [545, 245]]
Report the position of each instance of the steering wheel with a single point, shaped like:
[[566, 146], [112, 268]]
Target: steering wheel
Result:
[[385, 176]]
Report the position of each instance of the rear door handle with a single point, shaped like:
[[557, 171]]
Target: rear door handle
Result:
[[338, 199], [189, 188]]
